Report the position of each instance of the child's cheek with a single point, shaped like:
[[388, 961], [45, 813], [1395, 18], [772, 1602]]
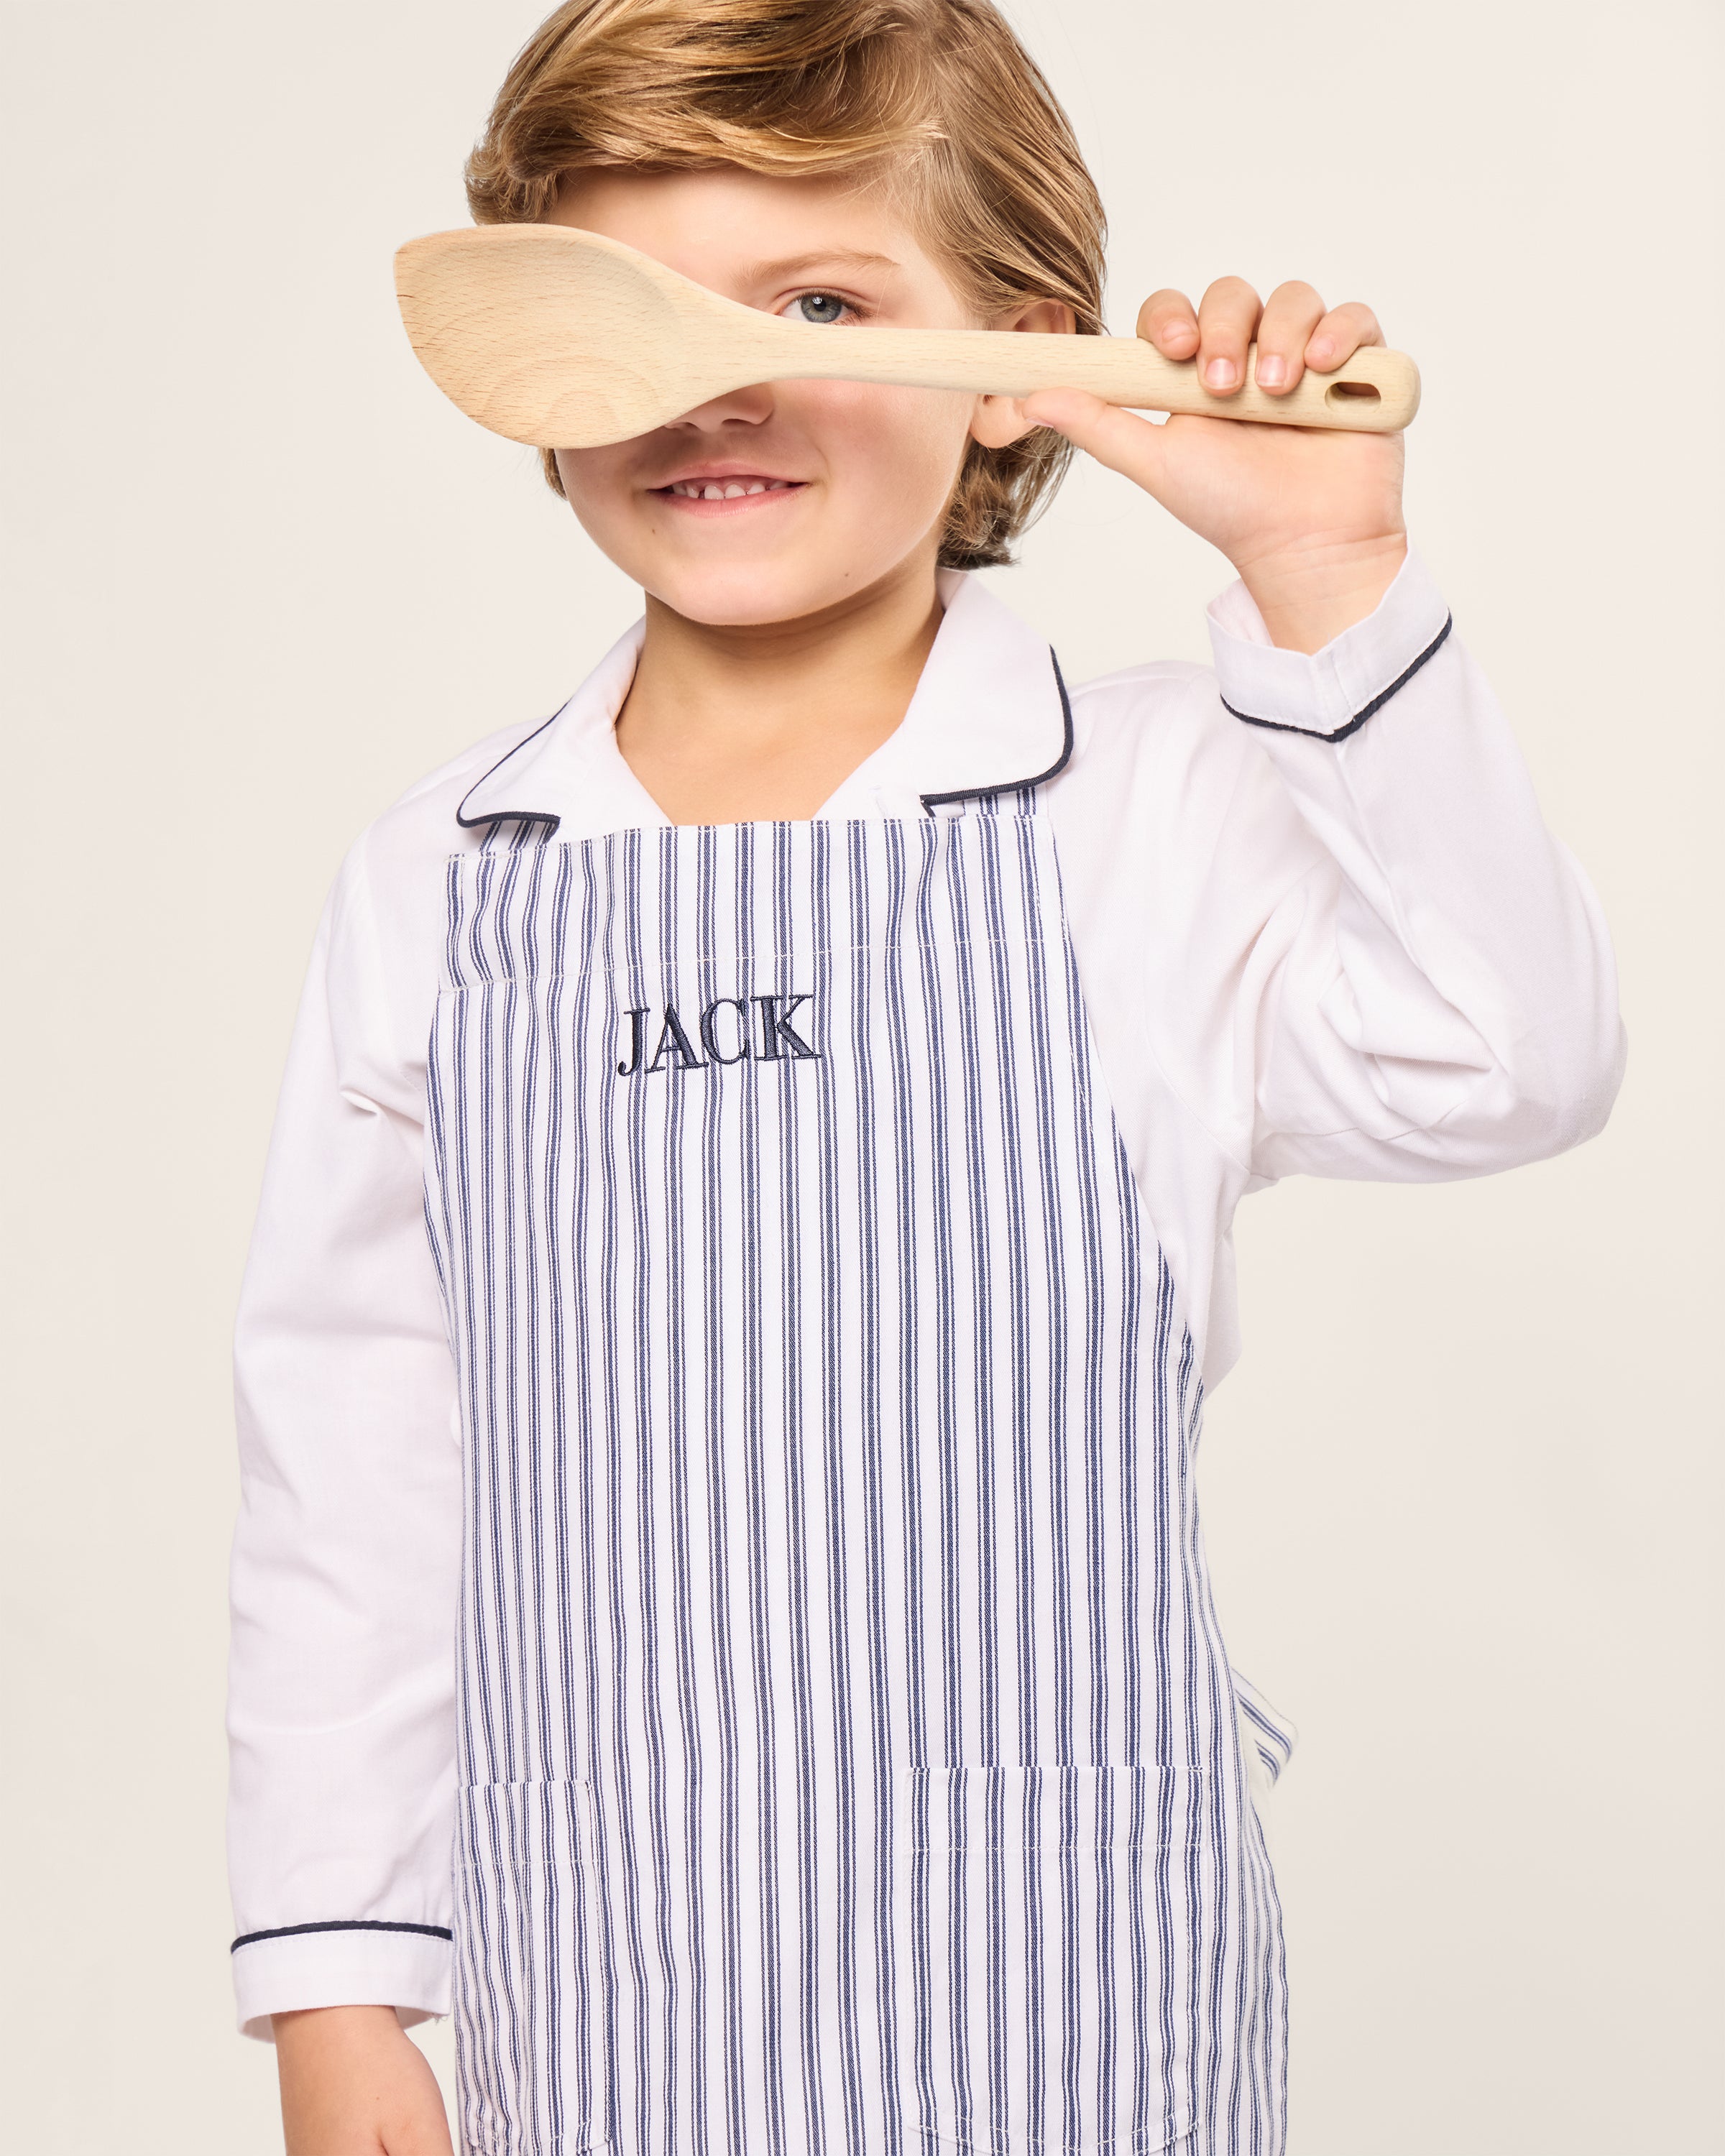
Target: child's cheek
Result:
[[592, 477], [896, 448]]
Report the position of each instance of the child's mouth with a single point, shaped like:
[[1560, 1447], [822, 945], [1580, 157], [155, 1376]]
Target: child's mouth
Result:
[[735, 492]]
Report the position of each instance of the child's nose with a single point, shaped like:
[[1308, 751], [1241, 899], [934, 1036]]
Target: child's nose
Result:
[[750, 407]]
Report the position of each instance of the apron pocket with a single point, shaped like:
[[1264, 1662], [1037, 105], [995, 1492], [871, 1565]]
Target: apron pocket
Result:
[[1045, 1923], [530, 1994]]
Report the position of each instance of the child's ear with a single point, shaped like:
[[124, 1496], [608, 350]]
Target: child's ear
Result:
[[998, 420]]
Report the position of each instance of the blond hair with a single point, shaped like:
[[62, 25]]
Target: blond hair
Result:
[[936, 98]]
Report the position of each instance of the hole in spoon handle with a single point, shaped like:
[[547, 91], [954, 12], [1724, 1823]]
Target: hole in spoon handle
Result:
[[1377, 391]]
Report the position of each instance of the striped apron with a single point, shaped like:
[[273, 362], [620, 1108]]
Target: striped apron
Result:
[[849, 1759]]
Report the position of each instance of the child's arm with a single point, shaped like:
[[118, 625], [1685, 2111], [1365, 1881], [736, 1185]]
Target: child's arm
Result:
[[344, 1563], [1371, 958], [1432, 992]]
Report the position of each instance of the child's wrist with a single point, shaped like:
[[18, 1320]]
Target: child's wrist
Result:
[[354, 2083], [320, 2032], [1308, 594]]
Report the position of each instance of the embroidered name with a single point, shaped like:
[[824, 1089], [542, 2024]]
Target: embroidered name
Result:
[[730, 1029]]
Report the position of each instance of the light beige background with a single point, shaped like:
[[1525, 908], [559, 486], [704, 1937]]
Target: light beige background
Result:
[[1462, 1493]]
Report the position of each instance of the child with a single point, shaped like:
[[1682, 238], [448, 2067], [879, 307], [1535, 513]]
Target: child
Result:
[[718, 1598]]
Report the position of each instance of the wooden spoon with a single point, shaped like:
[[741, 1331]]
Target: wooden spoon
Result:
[[564, 340]]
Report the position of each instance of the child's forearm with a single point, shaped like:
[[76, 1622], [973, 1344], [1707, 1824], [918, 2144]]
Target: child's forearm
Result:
[[354, 2084], [1445, 997]]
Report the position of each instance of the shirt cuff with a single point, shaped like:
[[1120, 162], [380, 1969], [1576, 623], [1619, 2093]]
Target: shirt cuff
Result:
[[282, 1972], [1331, 692]]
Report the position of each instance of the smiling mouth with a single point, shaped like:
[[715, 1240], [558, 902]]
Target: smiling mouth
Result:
[[737, 487]]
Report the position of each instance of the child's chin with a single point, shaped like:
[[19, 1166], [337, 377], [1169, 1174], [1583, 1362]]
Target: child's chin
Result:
[[740, 596]]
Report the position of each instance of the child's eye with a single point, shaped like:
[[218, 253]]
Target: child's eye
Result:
[[822, 307]]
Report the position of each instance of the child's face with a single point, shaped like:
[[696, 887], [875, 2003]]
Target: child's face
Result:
[[846, 483]]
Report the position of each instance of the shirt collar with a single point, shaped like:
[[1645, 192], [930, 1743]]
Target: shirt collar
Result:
[[990, 713]]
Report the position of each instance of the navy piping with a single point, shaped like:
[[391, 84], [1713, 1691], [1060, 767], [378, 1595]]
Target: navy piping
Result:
[[346, 1924], [1360, 718], [528, 815], [930, 801]]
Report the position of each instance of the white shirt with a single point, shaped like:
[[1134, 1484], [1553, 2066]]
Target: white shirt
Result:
[[1319, 924]]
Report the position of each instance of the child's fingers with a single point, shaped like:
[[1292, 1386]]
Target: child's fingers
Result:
[[1340, 334], [1227, 319], [1168, 320], [1113, 436], [1291, 314]]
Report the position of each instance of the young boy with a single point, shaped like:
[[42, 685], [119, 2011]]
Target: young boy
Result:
[[718, 1599]]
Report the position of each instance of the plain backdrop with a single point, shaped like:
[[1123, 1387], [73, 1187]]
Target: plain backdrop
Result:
[[1461, 1495]]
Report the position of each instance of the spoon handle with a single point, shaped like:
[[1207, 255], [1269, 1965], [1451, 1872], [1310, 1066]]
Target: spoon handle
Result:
[[1375, 392]]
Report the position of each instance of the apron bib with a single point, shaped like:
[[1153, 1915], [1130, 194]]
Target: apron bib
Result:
[[848, 1757]]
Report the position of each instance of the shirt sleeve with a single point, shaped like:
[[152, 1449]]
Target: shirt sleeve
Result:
[[1433, 992], [345, 1552]]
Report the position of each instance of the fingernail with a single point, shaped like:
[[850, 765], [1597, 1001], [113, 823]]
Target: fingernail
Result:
[[1272, 370], [1220, 373], [1320, 349]]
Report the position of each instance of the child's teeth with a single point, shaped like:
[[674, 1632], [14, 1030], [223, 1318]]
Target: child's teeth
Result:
[[722, 490]]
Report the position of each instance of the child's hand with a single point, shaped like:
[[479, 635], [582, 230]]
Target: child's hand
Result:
[[353, 2083], [1310, 517]]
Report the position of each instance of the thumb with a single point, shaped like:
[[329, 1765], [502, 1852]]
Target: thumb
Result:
[[1110, 433]]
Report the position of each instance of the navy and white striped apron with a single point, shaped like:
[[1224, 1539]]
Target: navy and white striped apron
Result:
[[849, 1760]]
